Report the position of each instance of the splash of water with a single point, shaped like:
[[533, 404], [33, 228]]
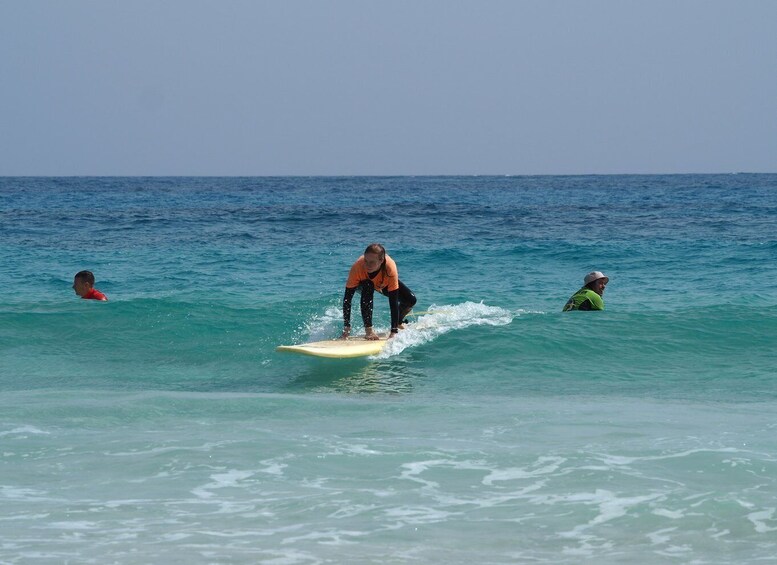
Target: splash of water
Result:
[[442, 319]]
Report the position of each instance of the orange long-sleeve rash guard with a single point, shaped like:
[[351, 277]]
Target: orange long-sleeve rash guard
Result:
[[385, 281]]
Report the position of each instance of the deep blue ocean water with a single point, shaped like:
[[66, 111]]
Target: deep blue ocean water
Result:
[[163, 427]]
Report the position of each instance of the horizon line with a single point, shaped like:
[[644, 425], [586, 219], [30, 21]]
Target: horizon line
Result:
[[392, 175]]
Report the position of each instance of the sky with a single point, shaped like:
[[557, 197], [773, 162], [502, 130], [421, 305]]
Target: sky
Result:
[[361, 87]]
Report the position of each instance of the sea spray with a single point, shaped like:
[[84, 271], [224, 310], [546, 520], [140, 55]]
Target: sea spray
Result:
[[443, 319]]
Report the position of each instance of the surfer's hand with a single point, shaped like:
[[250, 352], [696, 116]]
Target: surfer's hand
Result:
[[371, 335]]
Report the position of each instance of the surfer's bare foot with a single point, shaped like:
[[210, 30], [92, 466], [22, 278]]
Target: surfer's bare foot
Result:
[[371, 335]]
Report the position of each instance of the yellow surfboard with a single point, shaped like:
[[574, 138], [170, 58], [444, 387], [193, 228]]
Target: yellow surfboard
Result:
[[337, 348]]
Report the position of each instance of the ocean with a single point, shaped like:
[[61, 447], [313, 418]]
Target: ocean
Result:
[[163, 427]]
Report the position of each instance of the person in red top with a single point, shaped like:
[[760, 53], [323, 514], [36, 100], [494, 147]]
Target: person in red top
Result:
[[83, 284], [375, 270]]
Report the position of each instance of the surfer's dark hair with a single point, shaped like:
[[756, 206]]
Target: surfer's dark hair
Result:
[[85, 276]]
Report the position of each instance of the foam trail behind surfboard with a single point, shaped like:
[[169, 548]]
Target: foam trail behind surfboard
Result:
[[426, 326], [439, 320]]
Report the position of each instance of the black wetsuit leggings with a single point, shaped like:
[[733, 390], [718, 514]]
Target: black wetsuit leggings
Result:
[[401, 301]]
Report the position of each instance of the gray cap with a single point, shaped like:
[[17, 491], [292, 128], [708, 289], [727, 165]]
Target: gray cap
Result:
[[595, 276]]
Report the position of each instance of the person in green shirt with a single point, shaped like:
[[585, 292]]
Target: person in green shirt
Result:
[[590, 296]]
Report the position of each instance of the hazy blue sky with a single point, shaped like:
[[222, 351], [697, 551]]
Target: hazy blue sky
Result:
[[191, 87]]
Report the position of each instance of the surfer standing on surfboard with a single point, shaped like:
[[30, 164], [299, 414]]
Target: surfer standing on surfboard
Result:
[[375, 270]]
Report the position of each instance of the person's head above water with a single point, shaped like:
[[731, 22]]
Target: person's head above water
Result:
[[596, 281], [83, 282], [83, 285]]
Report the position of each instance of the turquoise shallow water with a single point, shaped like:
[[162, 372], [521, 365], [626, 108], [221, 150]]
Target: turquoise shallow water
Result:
[[162, 426]]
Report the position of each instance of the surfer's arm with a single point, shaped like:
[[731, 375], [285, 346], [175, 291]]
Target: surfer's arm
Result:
[[347, 300], [393, 297]]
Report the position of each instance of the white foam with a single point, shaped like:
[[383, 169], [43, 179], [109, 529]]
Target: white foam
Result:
[[327, 537], [24, 430], [674, 515], [625, 460], [436, 321], [549, 465], [352, 449], [419, 514], [206, 447], [175, 536], [415, 468], [274, 468], [442, 319], [759, 520], [609, 504], [74, 525], [321, 327], [18, 493], [660, 537], [230, 478]]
